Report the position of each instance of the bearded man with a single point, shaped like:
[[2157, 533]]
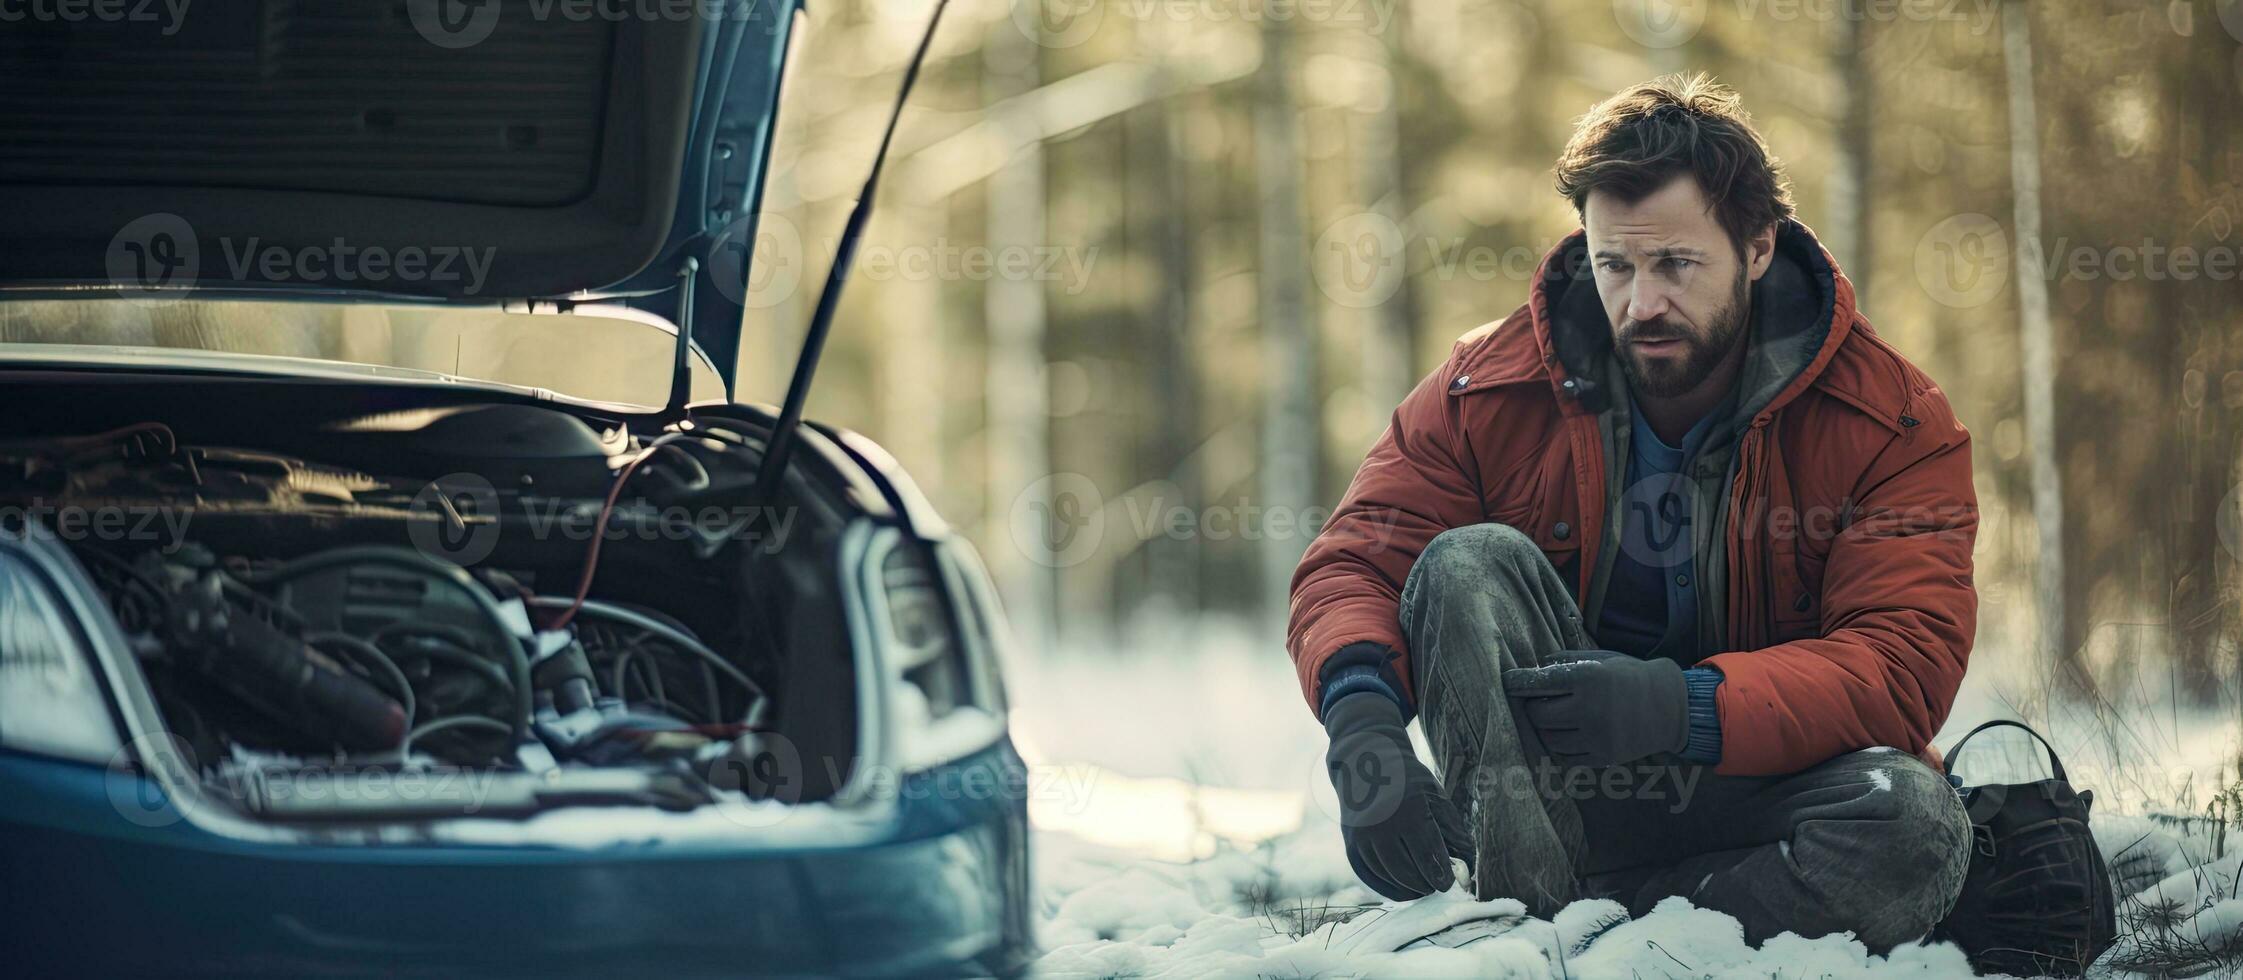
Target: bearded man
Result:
[[1673, 564]]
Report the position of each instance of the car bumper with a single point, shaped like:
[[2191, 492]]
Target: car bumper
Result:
[[942, 889]]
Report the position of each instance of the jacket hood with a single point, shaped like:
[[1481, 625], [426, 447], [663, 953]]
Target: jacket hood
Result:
[[1802, 312]]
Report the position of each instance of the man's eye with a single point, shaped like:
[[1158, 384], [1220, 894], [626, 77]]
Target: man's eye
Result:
[[1610, 266], [1680, 264]]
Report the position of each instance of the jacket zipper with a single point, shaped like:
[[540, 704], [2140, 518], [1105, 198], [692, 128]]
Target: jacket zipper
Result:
[[1740, 490], [1613, 435]]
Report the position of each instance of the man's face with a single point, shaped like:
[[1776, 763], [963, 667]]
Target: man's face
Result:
[[1674, 287]]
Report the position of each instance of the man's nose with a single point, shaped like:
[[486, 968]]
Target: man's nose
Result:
[[1648, 300]]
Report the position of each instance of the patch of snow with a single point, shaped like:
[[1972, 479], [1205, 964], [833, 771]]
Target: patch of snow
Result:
[[1159, 816], [2142, 852], [2189, 917], [1882, 779], [1199, 837]]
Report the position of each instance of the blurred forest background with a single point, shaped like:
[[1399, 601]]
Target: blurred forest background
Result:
[[1149, 276]]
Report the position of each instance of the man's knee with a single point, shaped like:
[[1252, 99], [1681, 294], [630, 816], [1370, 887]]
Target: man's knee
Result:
[[1474, 557], [1901, 842], [1466, 577]]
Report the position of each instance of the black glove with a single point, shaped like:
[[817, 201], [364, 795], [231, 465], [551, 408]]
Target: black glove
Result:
[[1398, 828], [1600, 708]]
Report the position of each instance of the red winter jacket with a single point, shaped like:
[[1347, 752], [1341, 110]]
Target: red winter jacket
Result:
[[1851, 514]]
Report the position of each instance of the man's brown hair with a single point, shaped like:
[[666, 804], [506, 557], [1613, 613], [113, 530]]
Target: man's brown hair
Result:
[[1635, 142]]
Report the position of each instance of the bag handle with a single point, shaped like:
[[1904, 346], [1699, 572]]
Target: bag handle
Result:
[[2055, 764]]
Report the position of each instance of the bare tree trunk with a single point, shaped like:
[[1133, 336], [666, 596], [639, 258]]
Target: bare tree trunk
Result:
[[2195, 321], [1290, 423], [1389, 347], [911, 351], [1849, 180], [1174, 564], [2038, 345], [1018, 440]]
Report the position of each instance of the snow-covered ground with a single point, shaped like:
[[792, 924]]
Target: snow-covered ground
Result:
[[1185, 827]]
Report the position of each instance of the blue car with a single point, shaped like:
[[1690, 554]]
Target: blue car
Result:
[[389, 580]]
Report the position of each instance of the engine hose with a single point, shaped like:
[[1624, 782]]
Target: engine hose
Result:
[[440, 571]]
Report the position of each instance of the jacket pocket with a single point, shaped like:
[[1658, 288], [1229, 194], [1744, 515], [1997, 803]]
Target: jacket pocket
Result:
[[1560, 541], [1557, 535], [1794, 596]]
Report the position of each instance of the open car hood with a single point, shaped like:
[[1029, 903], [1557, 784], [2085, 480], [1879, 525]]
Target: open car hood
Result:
[[449, 151]]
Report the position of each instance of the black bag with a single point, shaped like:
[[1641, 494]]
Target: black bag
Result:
[[2038, 900]]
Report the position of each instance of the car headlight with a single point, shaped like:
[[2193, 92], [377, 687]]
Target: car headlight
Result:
[[926, 651], [51, 699], [941, 704]]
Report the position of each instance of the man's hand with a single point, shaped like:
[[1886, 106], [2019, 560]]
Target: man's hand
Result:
[[1600, 708], [1398, 828]]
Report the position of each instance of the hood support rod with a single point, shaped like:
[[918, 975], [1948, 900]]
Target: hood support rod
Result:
[[681, 367], [781, 443]]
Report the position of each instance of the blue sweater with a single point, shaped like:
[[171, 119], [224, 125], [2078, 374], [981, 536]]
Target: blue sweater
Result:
[[1651, 596]]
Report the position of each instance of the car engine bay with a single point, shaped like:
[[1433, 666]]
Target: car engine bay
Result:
[[594, 612]]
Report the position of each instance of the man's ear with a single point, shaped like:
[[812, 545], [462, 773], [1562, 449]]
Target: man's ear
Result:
[[1760, 251]]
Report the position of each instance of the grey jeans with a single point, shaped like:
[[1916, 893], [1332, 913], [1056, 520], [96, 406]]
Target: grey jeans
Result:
[[1873, 842]]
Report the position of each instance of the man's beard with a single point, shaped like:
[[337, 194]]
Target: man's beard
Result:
[[1667, 378]]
